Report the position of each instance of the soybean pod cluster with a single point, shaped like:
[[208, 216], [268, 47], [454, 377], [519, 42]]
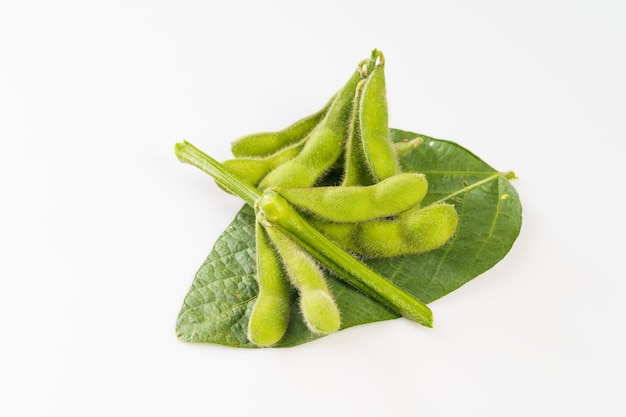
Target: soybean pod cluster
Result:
[[340, 170]]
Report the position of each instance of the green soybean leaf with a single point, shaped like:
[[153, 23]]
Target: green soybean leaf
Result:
[[217, 307]]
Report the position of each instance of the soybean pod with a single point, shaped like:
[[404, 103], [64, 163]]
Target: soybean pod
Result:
[[267, 143], [317, 304], [270, 314], [253, 170], [374, 120], [355, 171], [419, 231], [389, 197], [323, 147]]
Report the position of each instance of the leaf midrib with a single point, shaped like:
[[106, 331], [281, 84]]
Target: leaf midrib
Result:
[[468, 188]]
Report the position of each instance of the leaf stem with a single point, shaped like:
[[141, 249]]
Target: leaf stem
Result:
[[189, 154], [275, 211]]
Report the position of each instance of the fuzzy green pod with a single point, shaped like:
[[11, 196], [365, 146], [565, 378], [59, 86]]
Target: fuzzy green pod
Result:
[[318, 155], [253, 170], [420, 231], [318, 307], [374, 121], [267, 143], [355, 171], [389, 197], [270, 314], [323, 146]]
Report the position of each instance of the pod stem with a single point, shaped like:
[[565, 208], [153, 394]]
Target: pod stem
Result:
[[189, 154]]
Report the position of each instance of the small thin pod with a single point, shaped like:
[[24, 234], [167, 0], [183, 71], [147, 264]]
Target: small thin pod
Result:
[[323, 146], [270, 314], [389, 197], [266, 143], [318, 307], [374, 121]]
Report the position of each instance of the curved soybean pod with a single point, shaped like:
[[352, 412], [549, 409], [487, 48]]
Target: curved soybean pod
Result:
[[377, 148], [389, 197], [322, 148], [253, 170], [270, 314], [420, 231], [317, 304], [266, 143]]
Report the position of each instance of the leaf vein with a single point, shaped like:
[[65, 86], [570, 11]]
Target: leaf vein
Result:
[[451, 243], [226, 311], [492, 227]]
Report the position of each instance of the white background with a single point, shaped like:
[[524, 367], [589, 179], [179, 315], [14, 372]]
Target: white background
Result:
[[102, 229]]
